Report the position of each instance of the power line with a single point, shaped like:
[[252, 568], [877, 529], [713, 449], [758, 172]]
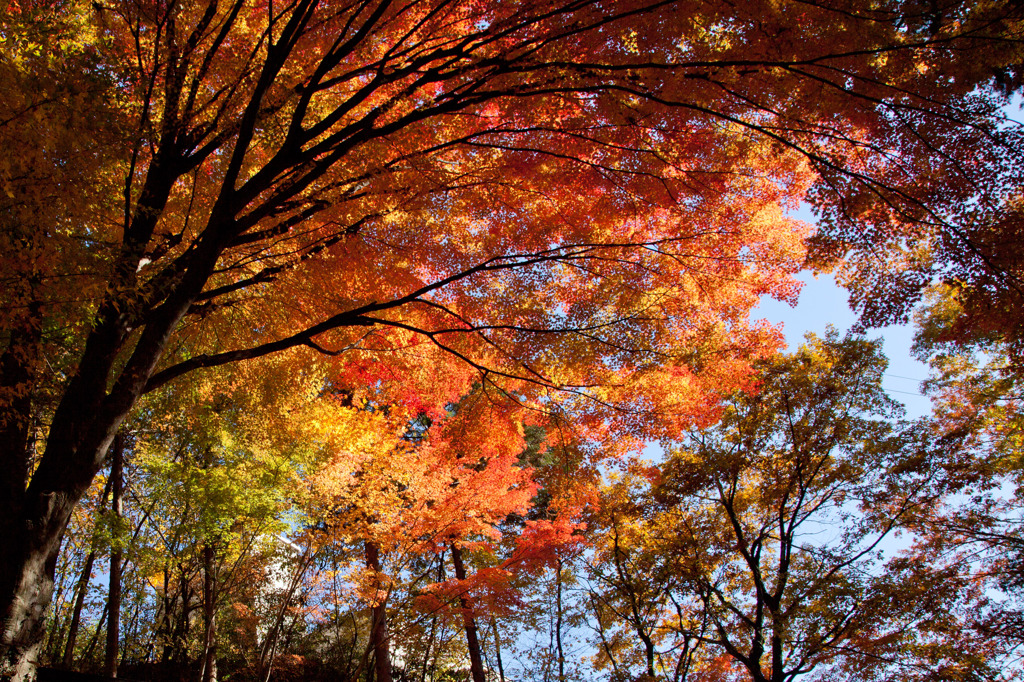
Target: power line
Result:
[[897, 376], [893, 390]]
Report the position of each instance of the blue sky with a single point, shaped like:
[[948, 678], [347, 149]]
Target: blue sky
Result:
[[821, 303]]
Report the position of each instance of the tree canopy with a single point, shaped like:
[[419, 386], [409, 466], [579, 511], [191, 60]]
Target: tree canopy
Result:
[[402, 203]]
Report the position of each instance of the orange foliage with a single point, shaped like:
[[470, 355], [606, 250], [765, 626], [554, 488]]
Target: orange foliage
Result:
[[576, 202]]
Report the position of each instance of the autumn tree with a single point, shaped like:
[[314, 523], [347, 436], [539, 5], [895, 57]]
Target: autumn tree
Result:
[[975, 385], [895, 235], [586, 197], [438, 491], [213, 485], [84, 544], [765, 539]]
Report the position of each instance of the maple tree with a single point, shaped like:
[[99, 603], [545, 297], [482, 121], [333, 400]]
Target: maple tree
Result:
[[586, 197], [214, 478], [975, 389], [893, 236], [763, 540], [447, 487]]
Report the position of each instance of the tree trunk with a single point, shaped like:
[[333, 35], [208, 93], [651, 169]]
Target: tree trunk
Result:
[[558, 621], [31, 540], [778, 672], [26, 580], [476, 663], [76, 613], [110, 659], [604, 640], [56, 625], [378, 610], [682, 670], [114, 595], [183, 622], [18, 370], [94, 402], [83, 588], [91, 646], [208, 657], [497, 649], [268, 649], [208, 667], [433, 627], [428, 649], [130, 633], [26, 573]]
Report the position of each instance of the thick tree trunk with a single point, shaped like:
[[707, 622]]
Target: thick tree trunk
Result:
[[778, 671], [31, 540], [379, 635], [26, 583], [26, 573], [18, 369], [476, 662], [109, 378]]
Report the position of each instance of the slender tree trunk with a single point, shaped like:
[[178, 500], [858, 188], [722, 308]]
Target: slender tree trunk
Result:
[[165, 617], [56, 626], [604, 640], [183, 624], [497, 649], [268, 650], [131, 632], [110, 660], [94, 640], [558, 621], [433, 627], [83, 589], [59, 620], [378, 610], [114, 596], [476, 663], [682, 670], [208, 666], [429, 648], [290, 632], [76, 614], [208, 661]]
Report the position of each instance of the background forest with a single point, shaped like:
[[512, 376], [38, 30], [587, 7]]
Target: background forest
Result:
[[417, 340]]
